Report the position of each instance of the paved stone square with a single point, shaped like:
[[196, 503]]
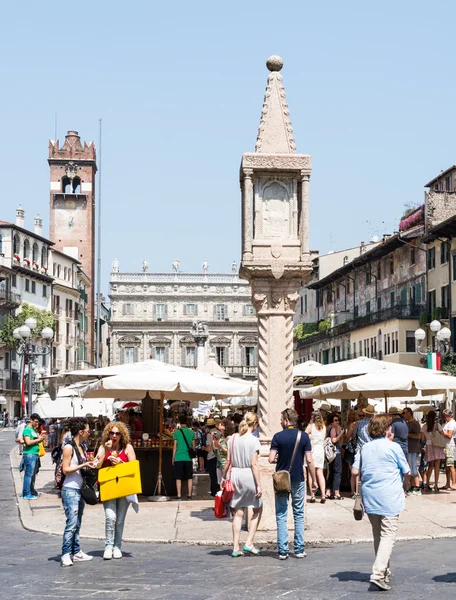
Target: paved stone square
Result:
[[30, 567]]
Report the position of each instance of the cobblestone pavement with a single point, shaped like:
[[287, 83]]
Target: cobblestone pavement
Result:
[[30, 567]]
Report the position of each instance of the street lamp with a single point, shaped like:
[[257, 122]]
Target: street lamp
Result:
[[30, 351], [441, 342]]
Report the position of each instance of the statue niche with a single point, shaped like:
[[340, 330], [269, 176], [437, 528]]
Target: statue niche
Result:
[[276, 211]]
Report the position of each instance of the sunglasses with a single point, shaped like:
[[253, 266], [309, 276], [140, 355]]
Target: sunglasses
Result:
[[114, 433], [336, 420]]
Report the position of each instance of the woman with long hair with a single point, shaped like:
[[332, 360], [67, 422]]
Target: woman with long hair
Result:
[[243, 452], [316, 430], [434, 454], [115, 448], [335, 432], [74, 459]]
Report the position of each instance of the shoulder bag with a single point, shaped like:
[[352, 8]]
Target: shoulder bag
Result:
[[438, 439], [358, 508], [89, 488], [191, 451], [330, 450], [282, 479], [228, 487]]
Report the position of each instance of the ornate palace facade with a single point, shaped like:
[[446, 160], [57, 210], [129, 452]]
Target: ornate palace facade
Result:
[[152, 316]]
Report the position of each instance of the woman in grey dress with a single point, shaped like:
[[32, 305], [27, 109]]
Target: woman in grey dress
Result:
[[243, 452]]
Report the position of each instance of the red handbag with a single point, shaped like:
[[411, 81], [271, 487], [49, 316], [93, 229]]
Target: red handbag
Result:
[[220, 511], [227, 491]]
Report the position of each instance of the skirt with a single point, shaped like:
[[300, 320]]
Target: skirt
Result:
[[434, 453]]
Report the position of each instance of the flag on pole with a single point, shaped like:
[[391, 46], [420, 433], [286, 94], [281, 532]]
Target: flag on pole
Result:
[[433, 361], [22, 384]]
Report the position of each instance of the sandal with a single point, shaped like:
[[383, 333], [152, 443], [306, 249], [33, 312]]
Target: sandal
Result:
[[338, 497], [323, 500], [236, 554], [436, 489], [254, 551], [312, 499]]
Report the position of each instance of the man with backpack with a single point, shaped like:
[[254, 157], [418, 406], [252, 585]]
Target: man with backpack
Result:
[[182, 461], [288, 449]]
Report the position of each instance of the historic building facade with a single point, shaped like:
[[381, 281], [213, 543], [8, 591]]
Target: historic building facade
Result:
[[152, 316]]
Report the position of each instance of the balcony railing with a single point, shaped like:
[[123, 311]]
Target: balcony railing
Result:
[[241, 370], [10, 384], [412, 311], [84, 364], [9, 299]]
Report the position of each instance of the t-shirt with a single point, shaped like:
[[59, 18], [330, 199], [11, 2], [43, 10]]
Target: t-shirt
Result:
[[401, 431], [450, 426], [414, 444], [382, 467], [182, 450], [32, 434], [284, 442]]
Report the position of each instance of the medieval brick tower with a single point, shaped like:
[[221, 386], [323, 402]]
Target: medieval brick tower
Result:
[[72, 209]]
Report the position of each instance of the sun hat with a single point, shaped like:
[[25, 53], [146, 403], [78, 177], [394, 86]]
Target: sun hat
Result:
[[369, 410], [326, 407], [210, 422], [393, 410]]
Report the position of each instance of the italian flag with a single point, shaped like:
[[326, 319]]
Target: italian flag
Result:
[[433, 361]]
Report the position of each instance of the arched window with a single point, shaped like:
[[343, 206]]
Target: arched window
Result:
[[35, 253], [44, 257], [26, 249], [76, 185], [66, 185], [16, 244]]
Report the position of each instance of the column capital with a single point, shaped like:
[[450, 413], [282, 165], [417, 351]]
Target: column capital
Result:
[[305, 174], [247, 173]]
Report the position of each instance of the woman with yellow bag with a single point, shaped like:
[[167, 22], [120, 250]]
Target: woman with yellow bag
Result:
[[115, 449]]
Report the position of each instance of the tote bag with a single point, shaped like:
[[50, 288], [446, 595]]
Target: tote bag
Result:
[[120, 480]]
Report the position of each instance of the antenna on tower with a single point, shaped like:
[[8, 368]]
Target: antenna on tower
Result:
[[97, 349]]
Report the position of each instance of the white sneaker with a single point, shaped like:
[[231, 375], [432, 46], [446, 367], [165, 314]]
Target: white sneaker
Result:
[[116, 553], [66, 561], [283, 556], [107, 553], [300, 554], [82, 557]]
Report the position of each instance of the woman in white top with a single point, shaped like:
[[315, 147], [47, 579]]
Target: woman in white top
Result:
[[316, 430], [73, 503]]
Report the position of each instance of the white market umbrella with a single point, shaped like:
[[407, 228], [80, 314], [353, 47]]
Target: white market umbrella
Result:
[[378, 385], [356, 366], [213, 368], [177, 383]]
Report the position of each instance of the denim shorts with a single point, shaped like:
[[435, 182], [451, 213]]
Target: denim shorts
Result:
[[449, 456], [412, 459]]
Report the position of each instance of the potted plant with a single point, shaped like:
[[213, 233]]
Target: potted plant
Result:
[[17, 257], [27, 261], [36, 266]]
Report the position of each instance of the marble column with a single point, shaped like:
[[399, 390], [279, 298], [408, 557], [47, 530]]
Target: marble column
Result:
[[274, 301], [247, 213], [305, 233], [200, 350]]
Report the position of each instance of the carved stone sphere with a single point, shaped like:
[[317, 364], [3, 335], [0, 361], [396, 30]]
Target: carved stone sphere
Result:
[[274, 63]]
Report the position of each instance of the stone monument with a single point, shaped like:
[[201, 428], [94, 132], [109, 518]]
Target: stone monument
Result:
[[200, 334], [275, 246]]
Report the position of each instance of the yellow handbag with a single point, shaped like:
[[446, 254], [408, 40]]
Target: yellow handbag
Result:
[[42, 451], [120, 480]]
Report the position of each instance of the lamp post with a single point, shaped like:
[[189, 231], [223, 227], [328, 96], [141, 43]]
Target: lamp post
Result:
[[27, 349], [441, 340]]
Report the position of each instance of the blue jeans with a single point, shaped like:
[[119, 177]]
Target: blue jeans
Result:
[[115, 512], [30, 462], [73, 505], [281, 505]]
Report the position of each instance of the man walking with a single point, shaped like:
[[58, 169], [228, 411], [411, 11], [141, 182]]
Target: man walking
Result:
[[414, 451], [361, 435], [281, 453], [31, 456], [448, 432], [182, 461]]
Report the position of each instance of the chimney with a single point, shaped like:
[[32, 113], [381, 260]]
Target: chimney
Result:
[[38, 225], [20, 216]]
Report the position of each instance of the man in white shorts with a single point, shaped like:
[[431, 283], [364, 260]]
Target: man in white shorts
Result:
[[448, 431]]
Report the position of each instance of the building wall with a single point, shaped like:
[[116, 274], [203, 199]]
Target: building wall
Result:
[[152, 315]]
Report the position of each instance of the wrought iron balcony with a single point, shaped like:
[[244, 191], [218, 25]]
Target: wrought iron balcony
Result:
[[9, 299], [241, 370]]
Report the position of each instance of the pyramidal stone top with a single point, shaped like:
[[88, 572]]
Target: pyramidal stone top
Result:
[[275, 133]]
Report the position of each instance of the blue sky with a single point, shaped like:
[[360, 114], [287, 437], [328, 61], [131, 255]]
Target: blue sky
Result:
[[180, 87]]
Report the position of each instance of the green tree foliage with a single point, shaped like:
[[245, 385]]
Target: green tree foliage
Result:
[[449, 363], [44, 319]]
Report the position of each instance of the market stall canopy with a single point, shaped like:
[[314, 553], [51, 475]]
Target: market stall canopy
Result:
[[177, 383], [65, 379], [72, 406], [213, 368], [356, 366], [377, 385], [237, 402]]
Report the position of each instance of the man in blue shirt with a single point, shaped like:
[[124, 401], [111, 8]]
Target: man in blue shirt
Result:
[[399, 429], [383, 465], [281, 453]]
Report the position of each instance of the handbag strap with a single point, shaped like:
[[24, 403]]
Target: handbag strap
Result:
[[298, 439], [360, 467], [185, 439]]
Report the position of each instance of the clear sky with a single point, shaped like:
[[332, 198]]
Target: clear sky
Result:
[[180, 85]]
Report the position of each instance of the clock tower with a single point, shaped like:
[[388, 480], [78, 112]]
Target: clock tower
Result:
[[72, 209]]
